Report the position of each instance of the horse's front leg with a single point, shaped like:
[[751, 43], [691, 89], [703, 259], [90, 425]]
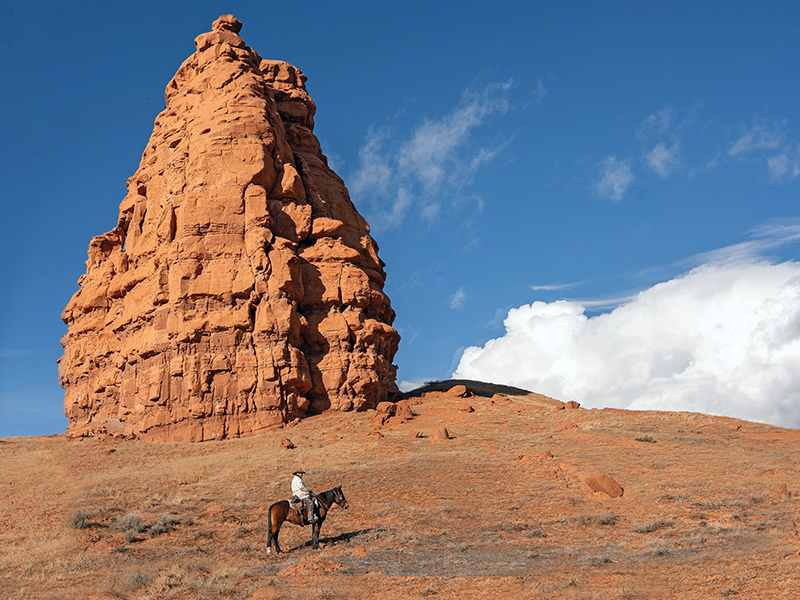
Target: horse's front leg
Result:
[[315, 536]]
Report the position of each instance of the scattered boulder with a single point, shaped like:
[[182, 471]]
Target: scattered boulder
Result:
[[458, 390], [465, 407], [380, 419], [572, 405], [781, 491], [404, 410], [286, 444], [546, 455], [601, 482], [441, 433], [265, 593], [387, 408]]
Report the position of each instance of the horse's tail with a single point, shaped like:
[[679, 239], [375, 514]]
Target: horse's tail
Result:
[[269, 529]]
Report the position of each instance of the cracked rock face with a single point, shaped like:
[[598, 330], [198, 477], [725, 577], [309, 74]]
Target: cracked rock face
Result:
[[240, 288]]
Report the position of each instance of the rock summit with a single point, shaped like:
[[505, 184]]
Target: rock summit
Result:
[[240, 288]]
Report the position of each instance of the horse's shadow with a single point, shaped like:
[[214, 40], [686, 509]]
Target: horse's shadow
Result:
[[346, 537]]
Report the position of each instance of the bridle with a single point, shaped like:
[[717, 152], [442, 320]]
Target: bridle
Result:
[[338, 498]]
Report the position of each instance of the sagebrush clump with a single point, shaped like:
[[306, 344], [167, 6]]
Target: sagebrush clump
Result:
[[131, 525], [651, 526], [81, 519], [163, 525]]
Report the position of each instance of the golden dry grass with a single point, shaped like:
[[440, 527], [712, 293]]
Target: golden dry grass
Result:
[[711, 509]]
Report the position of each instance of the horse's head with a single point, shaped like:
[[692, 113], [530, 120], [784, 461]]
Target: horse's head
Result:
[[338, 497]]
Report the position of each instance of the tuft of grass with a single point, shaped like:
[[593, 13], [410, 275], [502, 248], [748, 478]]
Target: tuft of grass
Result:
[[131, 525], [646, 438], [729, 591], [130, 522], [651, 526], [537, 532], [81, 520], [136, 580], [131, 535], [676, 498], [607, 519], [627, 594], [163, 525], [245, 531]]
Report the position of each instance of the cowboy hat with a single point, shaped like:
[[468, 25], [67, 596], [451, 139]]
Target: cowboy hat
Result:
[[299, 472]]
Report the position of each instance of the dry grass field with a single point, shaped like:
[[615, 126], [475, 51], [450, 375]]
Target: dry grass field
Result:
[[710, 509]]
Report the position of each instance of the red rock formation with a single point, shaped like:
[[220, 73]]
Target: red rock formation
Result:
[[240, 288]]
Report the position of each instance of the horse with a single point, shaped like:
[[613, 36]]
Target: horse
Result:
[[281, 511]]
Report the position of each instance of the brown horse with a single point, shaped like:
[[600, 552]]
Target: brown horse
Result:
[[281, 511]]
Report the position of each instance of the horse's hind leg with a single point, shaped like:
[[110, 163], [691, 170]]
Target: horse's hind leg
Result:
[[273, 529]]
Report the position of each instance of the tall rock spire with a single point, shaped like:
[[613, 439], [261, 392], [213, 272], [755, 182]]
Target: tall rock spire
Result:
[[240, 288]]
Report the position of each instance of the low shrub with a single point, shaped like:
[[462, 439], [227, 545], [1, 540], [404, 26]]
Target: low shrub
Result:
[[651, 526], [131, 522], [81, 520], [136, 580], [163, 525], [607, 519], [131, 535], [537, 532]]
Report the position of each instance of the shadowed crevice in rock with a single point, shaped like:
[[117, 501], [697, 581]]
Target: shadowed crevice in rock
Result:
[[240, 288]]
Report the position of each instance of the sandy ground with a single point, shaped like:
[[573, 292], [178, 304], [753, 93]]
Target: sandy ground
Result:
[[710, 509]]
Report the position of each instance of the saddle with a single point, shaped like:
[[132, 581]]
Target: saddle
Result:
[[296, 504]]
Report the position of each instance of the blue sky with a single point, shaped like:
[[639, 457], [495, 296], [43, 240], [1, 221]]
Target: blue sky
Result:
[[598, 201]]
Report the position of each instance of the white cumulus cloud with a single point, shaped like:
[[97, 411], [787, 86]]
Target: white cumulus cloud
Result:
[[615, 178], [723, 338]]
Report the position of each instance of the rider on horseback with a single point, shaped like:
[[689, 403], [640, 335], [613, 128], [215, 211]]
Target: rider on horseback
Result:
[[302, 493]]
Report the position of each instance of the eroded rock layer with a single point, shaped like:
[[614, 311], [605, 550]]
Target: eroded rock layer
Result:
[[240, 288]]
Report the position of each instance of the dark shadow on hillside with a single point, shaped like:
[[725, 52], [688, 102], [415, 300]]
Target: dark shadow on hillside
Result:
[[476, 388]]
